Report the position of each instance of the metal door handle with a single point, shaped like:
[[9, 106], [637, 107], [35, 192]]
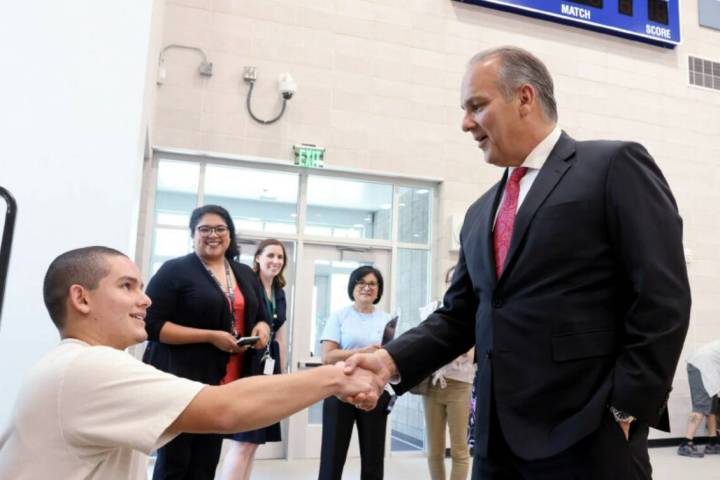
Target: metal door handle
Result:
[[309, 363]]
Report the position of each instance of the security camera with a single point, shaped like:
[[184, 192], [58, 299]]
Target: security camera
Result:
[[286, 85]]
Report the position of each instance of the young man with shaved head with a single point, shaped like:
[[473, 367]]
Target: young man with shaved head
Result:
[[89, 410]]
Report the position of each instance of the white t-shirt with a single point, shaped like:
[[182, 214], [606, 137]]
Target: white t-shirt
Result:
[[89, 412], [351, 329], [707, 360]]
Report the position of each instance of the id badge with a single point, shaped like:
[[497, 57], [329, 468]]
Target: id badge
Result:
[[269, 367]]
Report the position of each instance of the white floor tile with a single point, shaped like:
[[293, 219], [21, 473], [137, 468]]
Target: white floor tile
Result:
[[667, 465]]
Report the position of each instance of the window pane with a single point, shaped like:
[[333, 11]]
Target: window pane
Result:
[[156, 266], [171, 242], [348, 208], [318, 230], [172, 218], [414, 215], [408, 424], [329, 295], [412, 272], [258, 200], [176, 196]]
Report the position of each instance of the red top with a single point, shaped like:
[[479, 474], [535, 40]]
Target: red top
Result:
[[234, 366]]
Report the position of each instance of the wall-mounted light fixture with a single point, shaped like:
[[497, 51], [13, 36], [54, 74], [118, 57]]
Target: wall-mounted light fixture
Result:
[[205, 67], [286, 86]]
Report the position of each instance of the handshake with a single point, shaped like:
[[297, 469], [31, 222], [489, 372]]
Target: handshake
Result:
[[363, 379]]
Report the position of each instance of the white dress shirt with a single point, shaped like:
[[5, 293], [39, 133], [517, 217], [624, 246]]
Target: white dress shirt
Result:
[[533, 162]]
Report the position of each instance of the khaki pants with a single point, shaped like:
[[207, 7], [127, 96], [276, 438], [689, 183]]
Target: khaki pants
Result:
[[449, 406]]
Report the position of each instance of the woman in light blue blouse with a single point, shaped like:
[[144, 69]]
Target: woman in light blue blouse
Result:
[[356, 328]]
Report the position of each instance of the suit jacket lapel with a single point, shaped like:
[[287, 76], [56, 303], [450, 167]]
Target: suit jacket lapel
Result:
[[548, 177]]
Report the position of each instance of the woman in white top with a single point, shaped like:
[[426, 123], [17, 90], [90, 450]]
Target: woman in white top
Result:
[[447, 402], [356, 328]]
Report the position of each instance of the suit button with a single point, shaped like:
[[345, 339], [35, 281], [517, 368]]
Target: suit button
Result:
[[488, 354], [497, 302]]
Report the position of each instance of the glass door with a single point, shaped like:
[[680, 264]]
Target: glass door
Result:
[[322, 279]]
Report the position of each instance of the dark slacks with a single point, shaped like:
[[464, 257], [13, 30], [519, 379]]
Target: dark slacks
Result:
[[338, 420], [603, 455], [189, 456]]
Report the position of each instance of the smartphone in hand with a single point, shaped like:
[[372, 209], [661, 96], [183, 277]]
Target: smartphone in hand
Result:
[[242, 341]]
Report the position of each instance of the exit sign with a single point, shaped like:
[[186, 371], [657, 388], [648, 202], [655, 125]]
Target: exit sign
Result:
[[310, 156]]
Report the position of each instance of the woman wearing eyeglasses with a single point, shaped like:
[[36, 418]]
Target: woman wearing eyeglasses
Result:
[[356, 328], [201, 303]]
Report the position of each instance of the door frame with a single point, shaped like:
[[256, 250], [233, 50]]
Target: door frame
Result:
[[304, 438]]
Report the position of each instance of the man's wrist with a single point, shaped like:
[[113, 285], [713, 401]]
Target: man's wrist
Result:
[[336, 376], [620, 416], [389, 363]]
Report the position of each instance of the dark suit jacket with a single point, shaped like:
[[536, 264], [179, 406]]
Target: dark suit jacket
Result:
[[591, 309], [183, 292]]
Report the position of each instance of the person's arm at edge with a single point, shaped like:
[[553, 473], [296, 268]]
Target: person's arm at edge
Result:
[[174, 334], [258, 401]]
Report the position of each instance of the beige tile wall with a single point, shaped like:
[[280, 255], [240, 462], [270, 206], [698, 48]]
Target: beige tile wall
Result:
[[378, 86]]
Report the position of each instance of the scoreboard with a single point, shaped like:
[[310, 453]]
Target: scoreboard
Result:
[[652, 21]]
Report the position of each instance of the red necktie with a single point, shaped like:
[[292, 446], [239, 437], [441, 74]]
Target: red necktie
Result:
[[506, 219]]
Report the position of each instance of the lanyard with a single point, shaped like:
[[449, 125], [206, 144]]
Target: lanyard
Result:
[[230, 291], [271, 308]]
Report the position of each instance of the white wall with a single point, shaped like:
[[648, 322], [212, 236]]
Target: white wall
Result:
[[73, 128]]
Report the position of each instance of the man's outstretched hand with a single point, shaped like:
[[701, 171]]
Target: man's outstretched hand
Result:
[[381, 364]]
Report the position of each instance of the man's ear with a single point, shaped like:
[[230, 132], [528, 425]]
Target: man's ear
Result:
[[528, 99], [77, 299]]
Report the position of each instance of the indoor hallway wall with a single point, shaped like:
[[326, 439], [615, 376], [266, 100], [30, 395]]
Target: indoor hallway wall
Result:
[[378, 85], [73, 126]]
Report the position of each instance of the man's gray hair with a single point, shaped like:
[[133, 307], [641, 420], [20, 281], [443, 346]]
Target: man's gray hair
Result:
[[519, 67]]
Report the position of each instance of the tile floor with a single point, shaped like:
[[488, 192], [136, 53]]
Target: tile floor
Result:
[[667, 465]]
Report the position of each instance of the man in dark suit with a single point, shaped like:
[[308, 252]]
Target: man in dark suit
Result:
[[571, 282]]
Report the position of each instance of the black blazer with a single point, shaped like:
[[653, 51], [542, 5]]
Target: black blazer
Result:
[[183, 292], [591, 309]]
